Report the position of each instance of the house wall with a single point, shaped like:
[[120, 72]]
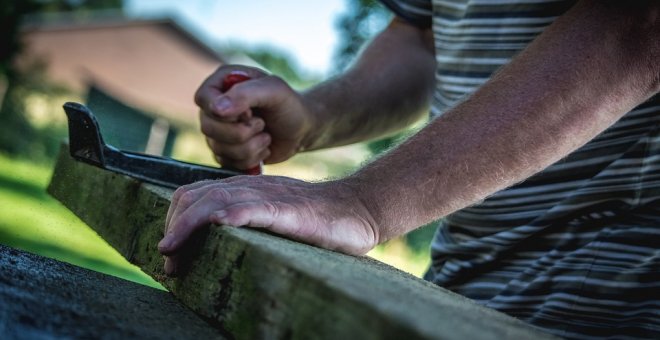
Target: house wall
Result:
[[125, 127], [154, 66]]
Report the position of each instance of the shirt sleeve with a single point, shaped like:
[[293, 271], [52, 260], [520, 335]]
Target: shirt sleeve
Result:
[[415, 12]]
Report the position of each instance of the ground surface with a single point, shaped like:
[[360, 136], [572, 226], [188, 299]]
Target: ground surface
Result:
[[33, 221], [42, 299]]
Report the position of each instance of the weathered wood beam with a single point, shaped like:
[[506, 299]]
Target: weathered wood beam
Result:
[[251, 284]]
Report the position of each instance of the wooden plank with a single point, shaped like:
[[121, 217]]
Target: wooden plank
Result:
[[252, 284]]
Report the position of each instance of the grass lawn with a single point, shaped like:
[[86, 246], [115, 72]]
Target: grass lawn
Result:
[[33, 221]]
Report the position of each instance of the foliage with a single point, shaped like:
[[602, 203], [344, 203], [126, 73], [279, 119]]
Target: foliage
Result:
[[17, 134], [362, 20], [79, 6], [15, 127], [11, 14], [276, 61]]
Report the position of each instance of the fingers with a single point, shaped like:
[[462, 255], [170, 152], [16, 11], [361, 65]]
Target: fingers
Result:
[[179, 199], [230, 132], [193, 209], [256, 214], [241, 151], [171, 264], [265, 104], [241, 145], [182, 197], [244, 156], [263, 92], [208, 96]]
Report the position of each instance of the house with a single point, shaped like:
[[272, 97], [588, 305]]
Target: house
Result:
[[138, 76]]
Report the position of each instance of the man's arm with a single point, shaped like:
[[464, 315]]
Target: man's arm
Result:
[[388, 88], [592, 65]]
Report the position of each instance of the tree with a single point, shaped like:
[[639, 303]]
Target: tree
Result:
[[16, 131], [362, 20], [17, 135], [275, 60]]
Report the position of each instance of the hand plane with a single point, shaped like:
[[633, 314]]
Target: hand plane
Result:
[[86, 145]]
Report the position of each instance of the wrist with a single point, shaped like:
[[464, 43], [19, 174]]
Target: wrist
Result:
[[317, 132], [363, 206]]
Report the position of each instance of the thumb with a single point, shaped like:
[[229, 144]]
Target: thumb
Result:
[[267, 92], [224, 108]]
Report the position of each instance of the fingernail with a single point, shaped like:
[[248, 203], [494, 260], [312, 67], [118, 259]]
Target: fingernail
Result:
[[169, 267], [166, 242], [222, 104]]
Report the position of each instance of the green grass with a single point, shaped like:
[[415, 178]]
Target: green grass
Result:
[[33, 221]]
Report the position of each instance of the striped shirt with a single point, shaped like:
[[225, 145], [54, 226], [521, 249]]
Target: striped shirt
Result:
[[575, 249]]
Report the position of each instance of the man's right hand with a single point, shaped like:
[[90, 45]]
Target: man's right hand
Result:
[[261, 119]]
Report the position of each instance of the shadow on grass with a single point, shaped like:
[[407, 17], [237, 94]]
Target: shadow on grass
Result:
[[29, 189]]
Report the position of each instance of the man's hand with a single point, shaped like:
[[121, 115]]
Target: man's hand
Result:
[[261, 119], [264, 119], [328, 215]]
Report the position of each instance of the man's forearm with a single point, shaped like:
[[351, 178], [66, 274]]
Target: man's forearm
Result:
[[377, 96], [580, 76]]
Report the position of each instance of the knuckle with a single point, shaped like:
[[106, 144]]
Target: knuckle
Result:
[[242, 135], [280, 85], [199, 97], [214, 146], [180, 226], [187, 198], [206, 128], [235, 215], [176, 197], [272, 209], [219, 194], [275, 80]]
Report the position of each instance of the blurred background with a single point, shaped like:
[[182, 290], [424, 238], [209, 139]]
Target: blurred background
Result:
[[136, 64]]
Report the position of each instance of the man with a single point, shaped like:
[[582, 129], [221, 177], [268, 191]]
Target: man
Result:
[[549, 188]]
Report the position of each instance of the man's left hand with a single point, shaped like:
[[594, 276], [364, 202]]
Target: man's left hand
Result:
[[328, 215]]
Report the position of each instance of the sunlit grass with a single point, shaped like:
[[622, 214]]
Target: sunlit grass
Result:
[[397, 254], [35, 222]]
